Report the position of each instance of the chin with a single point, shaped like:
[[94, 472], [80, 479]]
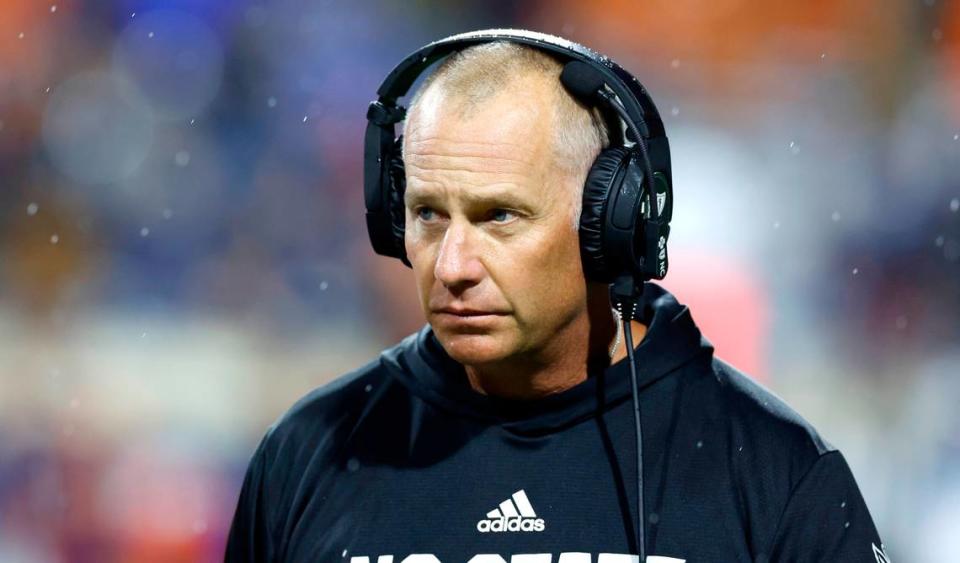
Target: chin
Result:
[[473, 349]]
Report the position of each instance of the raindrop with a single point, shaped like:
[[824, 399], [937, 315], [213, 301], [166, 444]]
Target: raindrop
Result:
[[740, 449], [938, 242], [32, 208], [856, 271], [675, 110], [167, 213], [368, 388], [182, 158], [47, 90], [843, 504], [353, 464], [846, 524], [144, 231], [955, 204], [133, 15], [344, 554], [794, 147], [823, 56], [304, 119], [192, 121], [271, 102], [150, 35], [20, 36], [143, 334], [956, 137], [675, 63], [53, 8], [835, 216], [699, 444], [324, 285], [654, 518], [54, 238]]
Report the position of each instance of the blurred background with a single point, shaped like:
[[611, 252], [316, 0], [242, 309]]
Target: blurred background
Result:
[[183, 252]]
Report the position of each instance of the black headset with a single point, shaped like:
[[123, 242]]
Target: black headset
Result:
[[627, 198]]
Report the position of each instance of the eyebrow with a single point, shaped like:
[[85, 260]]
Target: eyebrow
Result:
[[497, 196]]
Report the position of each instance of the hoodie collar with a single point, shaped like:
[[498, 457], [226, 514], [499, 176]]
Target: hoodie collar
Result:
[[672, 339]]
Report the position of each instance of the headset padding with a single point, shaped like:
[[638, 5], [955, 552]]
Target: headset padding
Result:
[[606, 172]]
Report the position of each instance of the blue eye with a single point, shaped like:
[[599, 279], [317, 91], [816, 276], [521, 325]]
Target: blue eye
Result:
[[501, 215], [424, 213]]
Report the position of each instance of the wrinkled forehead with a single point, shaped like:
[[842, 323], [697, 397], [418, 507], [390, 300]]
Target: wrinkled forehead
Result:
[[514, 124]]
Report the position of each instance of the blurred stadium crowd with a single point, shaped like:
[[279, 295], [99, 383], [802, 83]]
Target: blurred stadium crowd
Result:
[[183, 253]]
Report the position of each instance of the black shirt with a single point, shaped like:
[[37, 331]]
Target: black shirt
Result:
[[402, 461]]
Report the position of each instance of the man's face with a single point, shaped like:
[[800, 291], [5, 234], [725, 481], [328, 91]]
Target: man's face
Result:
[[489, 225]]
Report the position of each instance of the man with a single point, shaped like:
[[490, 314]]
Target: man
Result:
[[502, 431]]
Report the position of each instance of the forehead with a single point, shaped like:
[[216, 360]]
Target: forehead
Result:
[[505, 138]]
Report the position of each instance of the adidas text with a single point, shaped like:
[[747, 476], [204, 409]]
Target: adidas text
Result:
[[511, 525]]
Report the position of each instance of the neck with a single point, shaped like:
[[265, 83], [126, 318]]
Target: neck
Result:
[[581, 347]]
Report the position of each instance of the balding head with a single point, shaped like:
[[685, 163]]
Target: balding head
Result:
[[470, 79]]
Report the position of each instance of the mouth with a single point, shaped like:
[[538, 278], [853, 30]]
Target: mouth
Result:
[[458, 312]]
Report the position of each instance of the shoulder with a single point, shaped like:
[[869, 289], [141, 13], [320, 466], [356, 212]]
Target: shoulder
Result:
[[321, 419], [760, 425]]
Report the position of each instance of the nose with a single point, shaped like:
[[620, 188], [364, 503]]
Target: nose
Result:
[[458, 265]]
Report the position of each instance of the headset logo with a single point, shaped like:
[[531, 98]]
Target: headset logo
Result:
[[661, 200], [662, 256], [515, 514]]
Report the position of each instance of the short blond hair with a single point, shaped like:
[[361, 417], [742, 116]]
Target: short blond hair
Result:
[[477, 73]]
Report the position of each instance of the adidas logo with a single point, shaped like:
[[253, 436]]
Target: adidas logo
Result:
[[514, 515]]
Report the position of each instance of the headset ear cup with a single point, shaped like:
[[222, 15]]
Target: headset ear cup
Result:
[[397, 186], [597, 188]]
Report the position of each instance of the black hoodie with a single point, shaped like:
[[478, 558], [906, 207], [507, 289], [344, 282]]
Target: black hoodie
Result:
[[401, 461]]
